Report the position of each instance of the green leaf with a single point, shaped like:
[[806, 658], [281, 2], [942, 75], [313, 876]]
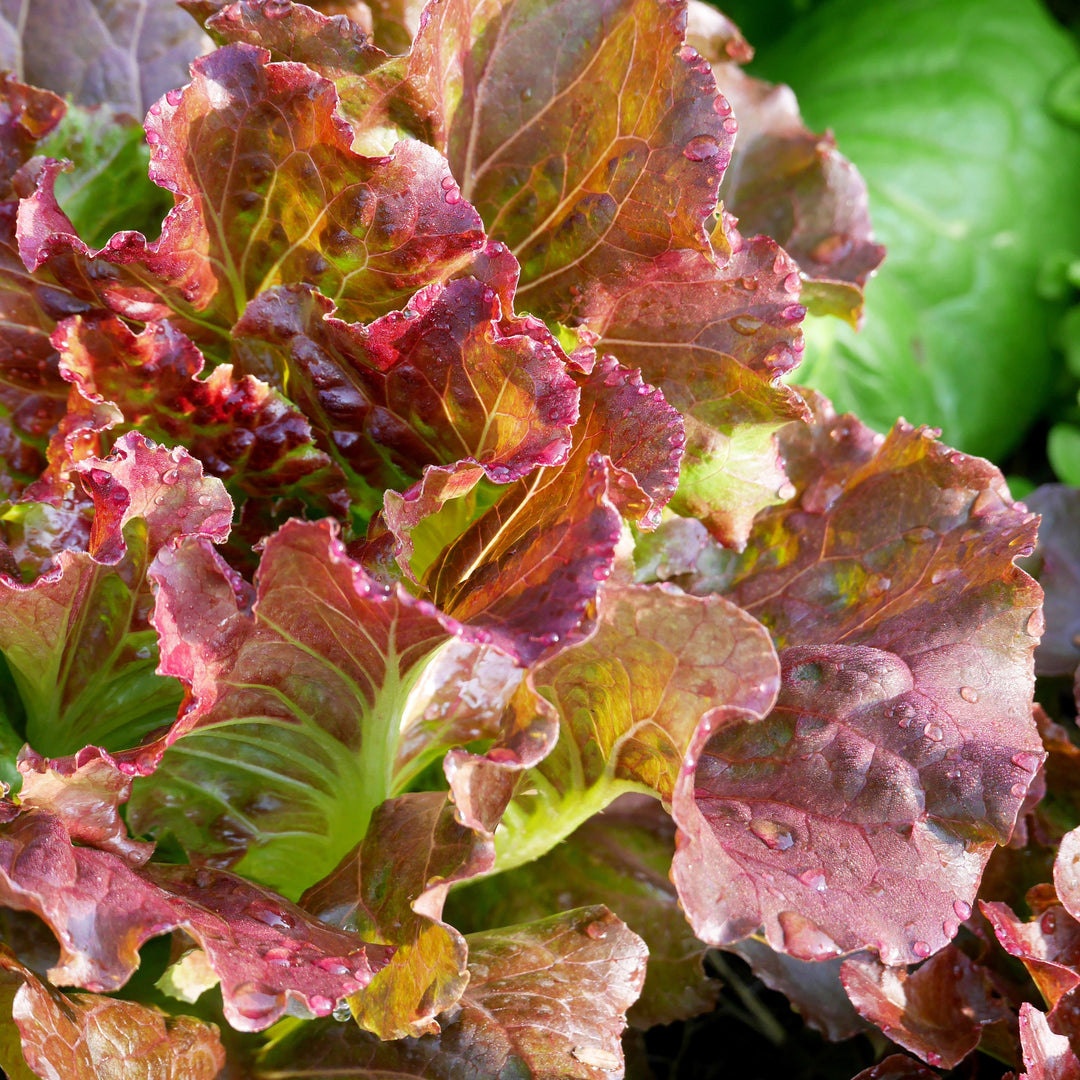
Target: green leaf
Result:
[[941, 104], [108, 189]]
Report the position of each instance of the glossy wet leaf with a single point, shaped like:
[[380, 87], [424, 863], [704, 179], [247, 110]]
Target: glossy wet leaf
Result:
[[620, 859], [436, 384], [590, 152], [268, 191], [87, 1036], [636, 700], [937, 1011], [391, 891], [545, 1001], [861, 812], [266, 952]]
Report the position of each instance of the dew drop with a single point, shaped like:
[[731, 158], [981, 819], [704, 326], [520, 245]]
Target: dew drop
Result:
[[950, 929], [791, 283], [1036, 624], [963, 911], [333, 964], [1048, 923], [731, 125], [153, 138], [342, 1013], [319, 1005], [720, 105], [920, 948], [275, 9], [969, 694], [1024, 760], [447, 183], [204, 500], [786, 491], [701, 148], [174, 97], [452, 198], [814, 879], [933, 732], [254, 1001], [1018, 791], [596, 930], [772, 834], [170, 477], [526, 94]]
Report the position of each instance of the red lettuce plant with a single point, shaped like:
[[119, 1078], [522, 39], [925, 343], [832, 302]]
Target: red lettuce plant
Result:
[[412, 555]]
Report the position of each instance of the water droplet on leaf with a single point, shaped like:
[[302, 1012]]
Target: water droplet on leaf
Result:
[[701, 148]]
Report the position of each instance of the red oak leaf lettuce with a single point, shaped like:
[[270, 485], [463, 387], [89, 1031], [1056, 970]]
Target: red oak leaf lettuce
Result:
[[266, 951], [444, 347], [545, 999], [76, 635], [289, 738], [861, 812], [433, 385], [267, 190], [785, 181], [391, 890], [86, 1036]]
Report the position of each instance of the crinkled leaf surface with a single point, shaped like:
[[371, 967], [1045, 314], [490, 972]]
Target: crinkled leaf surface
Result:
[[861, 812], [588, 140], [27, 115], [639, 432], [527, 570], [290, 738], [545, 1001], [241, 429], [378, 106], [268, 191], [435, 384], [77, 639], [31, 390], [87, 1036], [266, 951], [937, 1011], [32, 394], [635, 701], [714, 335], [391, 891], [620, 858], [85, 791]]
